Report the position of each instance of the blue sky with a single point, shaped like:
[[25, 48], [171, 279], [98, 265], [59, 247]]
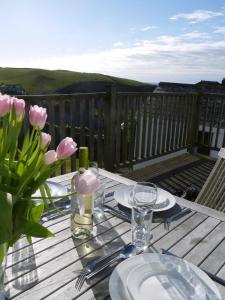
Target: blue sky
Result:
[[150, 41]]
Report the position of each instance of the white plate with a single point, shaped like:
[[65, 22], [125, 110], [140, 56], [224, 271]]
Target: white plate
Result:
[[151, 276], [57, 190], [123, 195]]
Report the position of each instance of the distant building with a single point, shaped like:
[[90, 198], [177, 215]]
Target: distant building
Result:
[[172, 87], [203, 86], [12, 89]]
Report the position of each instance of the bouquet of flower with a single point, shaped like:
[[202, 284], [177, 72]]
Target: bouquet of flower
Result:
[[25, 164]]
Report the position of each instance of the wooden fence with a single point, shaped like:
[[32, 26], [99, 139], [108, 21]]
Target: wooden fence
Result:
[[211, 122], [121, 129]]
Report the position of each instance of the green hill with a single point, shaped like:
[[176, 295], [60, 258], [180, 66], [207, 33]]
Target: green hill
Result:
[[39, 81]]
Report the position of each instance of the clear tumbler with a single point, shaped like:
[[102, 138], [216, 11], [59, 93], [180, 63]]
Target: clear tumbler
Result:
[[143, 198]]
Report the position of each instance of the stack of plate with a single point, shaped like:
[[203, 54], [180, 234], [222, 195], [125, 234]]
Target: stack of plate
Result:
[[56, 189], [165, 200], [160, 277]]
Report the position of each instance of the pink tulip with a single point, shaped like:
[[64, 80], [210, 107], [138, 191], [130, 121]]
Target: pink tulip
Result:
[[66, 148], [87, 183], [50, 157], [19, 105], [45, 139], [37, 116], [5, 104]]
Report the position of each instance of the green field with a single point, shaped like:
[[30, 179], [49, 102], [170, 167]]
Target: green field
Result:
[[39, 81]]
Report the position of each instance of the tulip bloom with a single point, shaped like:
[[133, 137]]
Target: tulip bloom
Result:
[[66, 148], [19, 105], [87, 183], [45, 139], [5, 104], [50, 157], [37, 116]]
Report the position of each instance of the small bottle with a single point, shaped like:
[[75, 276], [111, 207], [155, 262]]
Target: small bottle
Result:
[[81, 204]]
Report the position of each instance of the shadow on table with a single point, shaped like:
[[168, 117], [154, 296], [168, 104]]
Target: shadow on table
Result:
[[106, 241], [24, 266]]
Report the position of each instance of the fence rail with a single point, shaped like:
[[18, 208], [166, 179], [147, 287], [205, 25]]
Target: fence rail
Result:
[[126, 128], [212, 122]]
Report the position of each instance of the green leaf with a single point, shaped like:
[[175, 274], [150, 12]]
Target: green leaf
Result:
[[29, 239], [4, 170], [6, 225], [36, 230], [36, 212], [43, 195], [20, 212], [7, 189], [3, 251]]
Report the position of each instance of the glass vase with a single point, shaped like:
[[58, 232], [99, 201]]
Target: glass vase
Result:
[[3, 261]]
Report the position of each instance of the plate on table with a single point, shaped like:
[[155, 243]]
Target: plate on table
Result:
[[57, 190], [165, 200], [151, 276]]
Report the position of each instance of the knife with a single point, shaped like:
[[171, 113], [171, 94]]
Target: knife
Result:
[[117, 213], [168, 220]]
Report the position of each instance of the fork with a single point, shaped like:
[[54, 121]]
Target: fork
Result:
[[91, 267]]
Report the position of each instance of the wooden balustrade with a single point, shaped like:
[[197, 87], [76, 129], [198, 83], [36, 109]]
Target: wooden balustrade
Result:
[[211, 122], [126, 128]]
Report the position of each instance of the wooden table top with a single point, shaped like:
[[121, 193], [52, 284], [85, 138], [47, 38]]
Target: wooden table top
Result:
[[47, 268]]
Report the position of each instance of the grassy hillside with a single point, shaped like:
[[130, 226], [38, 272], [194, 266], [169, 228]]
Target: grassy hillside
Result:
[[39, 81]]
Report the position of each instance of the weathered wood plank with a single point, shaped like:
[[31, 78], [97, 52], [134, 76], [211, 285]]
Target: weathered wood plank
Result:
[[207, 245], [195, 237], [144, 128], [62, 126], [132, 128], [138, 128], [91, 140], [150, 125], [215, 260], [60, 269], [178, 234]]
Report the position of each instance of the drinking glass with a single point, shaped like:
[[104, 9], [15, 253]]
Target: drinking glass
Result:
[[143, 198], [98, 195]]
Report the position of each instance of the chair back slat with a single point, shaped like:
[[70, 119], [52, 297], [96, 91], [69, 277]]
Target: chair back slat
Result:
[[212, 193]]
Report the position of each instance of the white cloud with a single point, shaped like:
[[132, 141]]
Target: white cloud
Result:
[[118, 44], [198, 16], [144, 28], [147, 28], [169, 58], [194, 35], [220, 30]]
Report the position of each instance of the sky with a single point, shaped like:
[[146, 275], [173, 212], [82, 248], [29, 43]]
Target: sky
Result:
[[145, 40]]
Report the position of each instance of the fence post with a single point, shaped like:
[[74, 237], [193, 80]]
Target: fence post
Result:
[[109, 140], [195, 125]]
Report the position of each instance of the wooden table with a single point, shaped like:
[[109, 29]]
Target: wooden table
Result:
[[47, 268]]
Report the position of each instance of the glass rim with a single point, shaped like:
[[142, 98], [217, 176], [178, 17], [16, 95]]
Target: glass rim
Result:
[[147, 186]]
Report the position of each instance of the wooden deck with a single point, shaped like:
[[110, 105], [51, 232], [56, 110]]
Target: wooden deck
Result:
[[177, 174], [47, 268]]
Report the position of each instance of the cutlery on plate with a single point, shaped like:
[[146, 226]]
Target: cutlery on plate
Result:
[[212, 276], [117, 213], [127, 251], [168, 220]]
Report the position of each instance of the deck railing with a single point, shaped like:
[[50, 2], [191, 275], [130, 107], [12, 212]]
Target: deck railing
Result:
[[126, 128], [211, 122]]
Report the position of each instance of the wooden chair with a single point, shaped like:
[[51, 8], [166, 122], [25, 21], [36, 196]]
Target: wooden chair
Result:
[[212, 193]]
